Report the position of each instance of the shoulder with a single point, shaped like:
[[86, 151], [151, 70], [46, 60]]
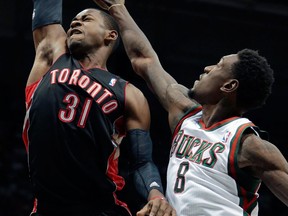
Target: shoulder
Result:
[[137, 110], [134, 96]]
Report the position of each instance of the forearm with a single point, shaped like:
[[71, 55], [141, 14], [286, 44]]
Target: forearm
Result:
[[277, 183], [143, 57], [146, 176], [47, 13], [147, 180]]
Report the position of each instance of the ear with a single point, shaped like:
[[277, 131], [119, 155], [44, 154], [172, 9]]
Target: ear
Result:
[[230, 86], [111, 37]]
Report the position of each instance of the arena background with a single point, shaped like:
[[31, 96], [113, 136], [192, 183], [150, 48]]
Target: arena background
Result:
[[188, 35]]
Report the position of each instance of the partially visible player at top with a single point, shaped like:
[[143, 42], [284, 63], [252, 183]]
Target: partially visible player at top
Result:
[[77, 114], [218, 158]]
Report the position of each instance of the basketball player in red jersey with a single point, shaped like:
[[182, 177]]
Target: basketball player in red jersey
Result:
[[77, 115]]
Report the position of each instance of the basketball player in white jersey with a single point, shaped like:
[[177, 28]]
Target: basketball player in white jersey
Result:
[[218, 158]]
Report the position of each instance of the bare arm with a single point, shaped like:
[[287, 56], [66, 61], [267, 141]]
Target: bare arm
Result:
[[144, 59], [146, 64], [177, 95], [49, 40], [137, 109], [267, 163]]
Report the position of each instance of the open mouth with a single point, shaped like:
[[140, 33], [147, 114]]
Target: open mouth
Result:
[[75, 32]]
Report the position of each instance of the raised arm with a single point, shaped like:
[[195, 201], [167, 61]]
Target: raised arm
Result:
[[143, 58], [146, 64], [48, 35]]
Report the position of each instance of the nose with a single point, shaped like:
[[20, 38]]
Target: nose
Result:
[[207, 69], [75, 23]]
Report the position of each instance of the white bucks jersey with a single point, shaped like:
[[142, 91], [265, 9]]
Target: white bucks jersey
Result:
[[203, 177]]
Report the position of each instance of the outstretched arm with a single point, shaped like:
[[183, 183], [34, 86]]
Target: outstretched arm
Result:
[[145, 62], [143, 58], [48, 34]]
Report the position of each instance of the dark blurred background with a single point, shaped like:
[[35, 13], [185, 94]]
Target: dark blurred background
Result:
[[188, 35]]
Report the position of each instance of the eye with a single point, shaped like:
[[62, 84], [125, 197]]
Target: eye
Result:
[[86, 18]]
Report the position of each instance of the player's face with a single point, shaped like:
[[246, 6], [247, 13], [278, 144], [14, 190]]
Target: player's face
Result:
[[209, 88], [87, 32]]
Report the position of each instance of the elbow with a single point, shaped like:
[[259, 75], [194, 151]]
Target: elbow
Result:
[[142, 66], [138, 67]]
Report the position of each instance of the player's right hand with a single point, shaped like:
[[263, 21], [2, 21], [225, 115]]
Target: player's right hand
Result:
[[157, 207]]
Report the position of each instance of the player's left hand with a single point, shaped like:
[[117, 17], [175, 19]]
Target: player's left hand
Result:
[[157, 207]]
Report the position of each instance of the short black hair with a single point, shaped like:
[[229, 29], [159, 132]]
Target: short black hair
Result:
[[111, 24], [255, 78]]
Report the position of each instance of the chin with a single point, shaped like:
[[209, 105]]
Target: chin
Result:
[[75, 49], [73, 46]]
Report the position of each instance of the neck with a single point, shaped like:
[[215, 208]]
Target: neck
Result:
[[215, 113], [92, 61], [93, 57]]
